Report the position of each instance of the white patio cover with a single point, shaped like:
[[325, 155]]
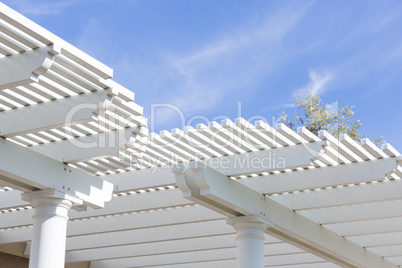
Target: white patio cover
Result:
[[146, 200]]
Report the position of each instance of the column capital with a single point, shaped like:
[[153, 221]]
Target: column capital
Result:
[[49, 226], [254, 221], [250, 240], [35, 196]]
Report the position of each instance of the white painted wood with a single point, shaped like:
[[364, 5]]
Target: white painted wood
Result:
[[52, 114], [162, 140], [23, 69], [389, 150], [311, 265], [306, 134], [329, 176], [355, 147], [119, 222], [338, 146], [288, 133], [142, 179], [11, 199], [243, 135], [178, 140], [271, 133], [203, 138], [53, 72], [200, 145], [20, 36], [355, 212], [250, 241], [49, 230], [379, 239], [172, 153], [91, 190], [397, 260], [251, 130], [204, 256], [174, 247], [342, 195], [43, 36], [91, 147], [360, 228], [214, 228], [266, 160], [335, 155], [211, 187], [231, 140], [232, 263], [155, 248], [129, 203], [370, 147], [388, 251]]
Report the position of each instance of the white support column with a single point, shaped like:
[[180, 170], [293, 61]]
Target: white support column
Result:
[[250, 241], [49, 227]]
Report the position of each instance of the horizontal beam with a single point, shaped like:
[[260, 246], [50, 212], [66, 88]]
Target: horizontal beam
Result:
[[359, 228], [375, 210], [39, 33], [142, 179], [21, 165], [53, 114], [119, 222], [173, 259], [342, 195], [24, 68], [154, 234], [172, 247], [327, 176], [382, 239], [281, 158], [153, 248], [119, 204], [203, 256], [232, 263], [388, 251], [397, 259], [11, 199], [91, 147], [230, 165], [216, 188]]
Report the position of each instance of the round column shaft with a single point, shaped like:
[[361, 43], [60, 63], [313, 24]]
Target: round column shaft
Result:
[[48, 243], [250, 241]]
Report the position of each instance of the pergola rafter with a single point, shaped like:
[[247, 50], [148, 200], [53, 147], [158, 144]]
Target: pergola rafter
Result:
[[72, 137]]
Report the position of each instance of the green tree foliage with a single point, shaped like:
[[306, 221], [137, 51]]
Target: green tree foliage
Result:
[[317, 115]]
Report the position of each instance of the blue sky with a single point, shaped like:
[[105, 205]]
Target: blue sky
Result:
[[206, 56]]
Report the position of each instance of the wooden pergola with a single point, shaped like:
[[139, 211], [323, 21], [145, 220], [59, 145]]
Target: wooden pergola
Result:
[[82, 182]]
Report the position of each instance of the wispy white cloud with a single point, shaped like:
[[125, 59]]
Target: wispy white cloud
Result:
[[219, 67], [92, 39], [370, 22], [319, 80], [394, 54], [201, 79], [42, 8], [318, 84]]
